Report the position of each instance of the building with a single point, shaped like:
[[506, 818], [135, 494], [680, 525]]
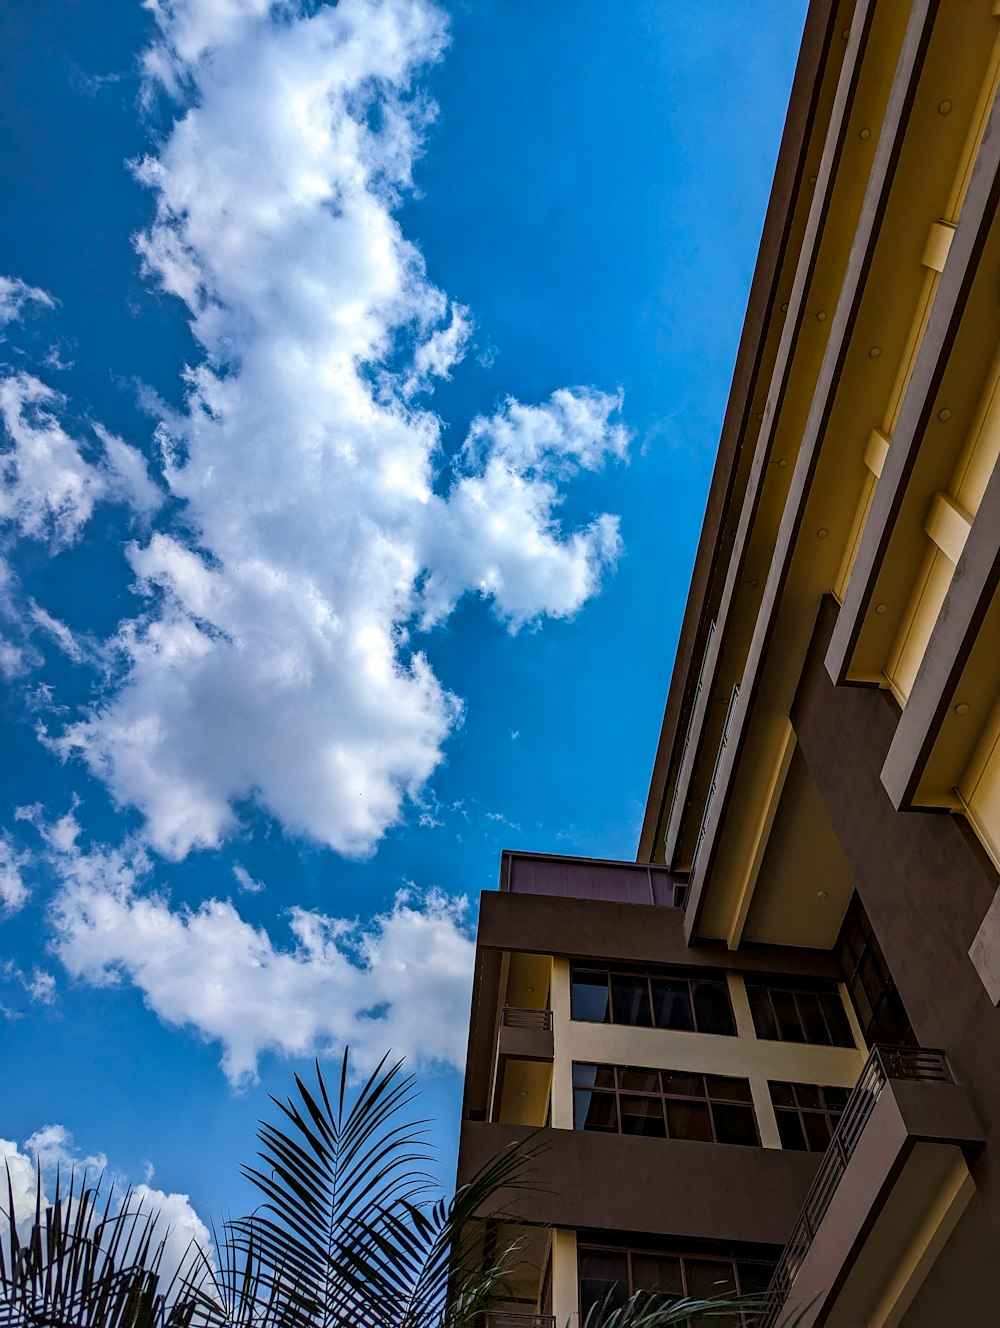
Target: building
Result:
[[808, 945]]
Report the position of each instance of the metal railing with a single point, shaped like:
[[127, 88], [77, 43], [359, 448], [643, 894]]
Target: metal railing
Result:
[[513, 1016], [514, 1319], [883, 1063]]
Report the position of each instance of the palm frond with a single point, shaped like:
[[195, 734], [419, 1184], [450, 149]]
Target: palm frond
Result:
[[651, 1310], [348, 1234], [84, 1263]]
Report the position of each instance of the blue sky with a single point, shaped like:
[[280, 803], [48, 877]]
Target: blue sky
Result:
[[361, 372]]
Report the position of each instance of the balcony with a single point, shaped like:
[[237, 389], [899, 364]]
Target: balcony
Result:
[[906, 1127], [589, 878], [624, 1183], [514, 1016]]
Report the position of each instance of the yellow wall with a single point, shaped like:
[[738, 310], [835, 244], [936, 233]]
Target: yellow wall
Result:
[[744, 1056]]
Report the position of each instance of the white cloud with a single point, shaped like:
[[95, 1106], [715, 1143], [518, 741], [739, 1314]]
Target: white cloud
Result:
[[15, 294], [53, 1147], [57, 631], [399, 980], [274, 659], [247, 884], [47, 488], [13, 890]]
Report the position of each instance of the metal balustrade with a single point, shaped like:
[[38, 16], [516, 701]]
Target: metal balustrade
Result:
[[513, 1016], [883, 1064]]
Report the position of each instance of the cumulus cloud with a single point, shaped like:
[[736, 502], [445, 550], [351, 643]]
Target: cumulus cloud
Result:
[[322, 520], [399, 980], [52, 1147]]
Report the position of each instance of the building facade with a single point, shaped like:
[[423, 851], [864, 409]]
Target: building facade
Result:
[[767, 1053]]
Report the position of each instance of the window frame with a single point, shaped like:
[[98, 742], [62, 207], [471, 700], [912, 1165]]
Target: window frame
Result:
[[665, 1096], [707, 977], [830, 1114], [795, 988], [731, 1262]]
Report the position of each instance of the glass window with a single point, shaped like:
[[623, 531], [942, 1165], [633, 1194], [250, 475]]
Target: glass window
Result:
[[689, 1120], [642, 1115], [807, 1114], [603, 1273], [664, 1103], [733, 1124], [713, 1009], [594, 1111], [658, 999], [630, 1000], [657, 1273], [869, 982], [589, 997], [787, 1011], [672, 1004], [618, 1273]]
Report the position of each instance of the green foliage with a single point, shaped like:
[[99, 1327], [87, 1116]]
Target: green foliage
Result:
[[349, 1234], [75, 1263]]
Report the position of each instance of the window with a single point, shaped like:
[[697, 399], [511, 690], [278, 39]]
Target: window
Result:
[[807, 1114], [652, 999], [869, 983], [663, 1104], [618, 1273], [786, 1011]]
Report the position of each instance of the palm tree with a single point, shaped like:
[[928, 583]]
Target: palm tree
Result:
[[351, 1232]]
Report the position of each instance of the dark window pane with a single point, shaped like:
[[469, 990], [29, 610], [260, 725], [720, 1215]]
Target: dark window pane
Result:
[[817, 1131], [862, 1008], [754, 1277], [709, 1277], [642, 1115], [712, 1009], [789, 1027], [683, 1085], [790, 1130], [812, 1019], [760, 1008], [688, 1120], [659, 1273], [730, 1090], [807, 1095], [602, 1273], [782, 1095], [636, 1080], [589, 997], [630, 1000], [672, 1004], [870, 976], [734, 1125], [593, 1076], [836, 1018], [836, 1098], [594, 1111]]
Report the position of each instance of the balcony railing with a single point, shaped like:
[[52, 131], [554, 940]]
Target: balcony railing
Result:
[[513, 1016], [513, 1319], [883, 1064]]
